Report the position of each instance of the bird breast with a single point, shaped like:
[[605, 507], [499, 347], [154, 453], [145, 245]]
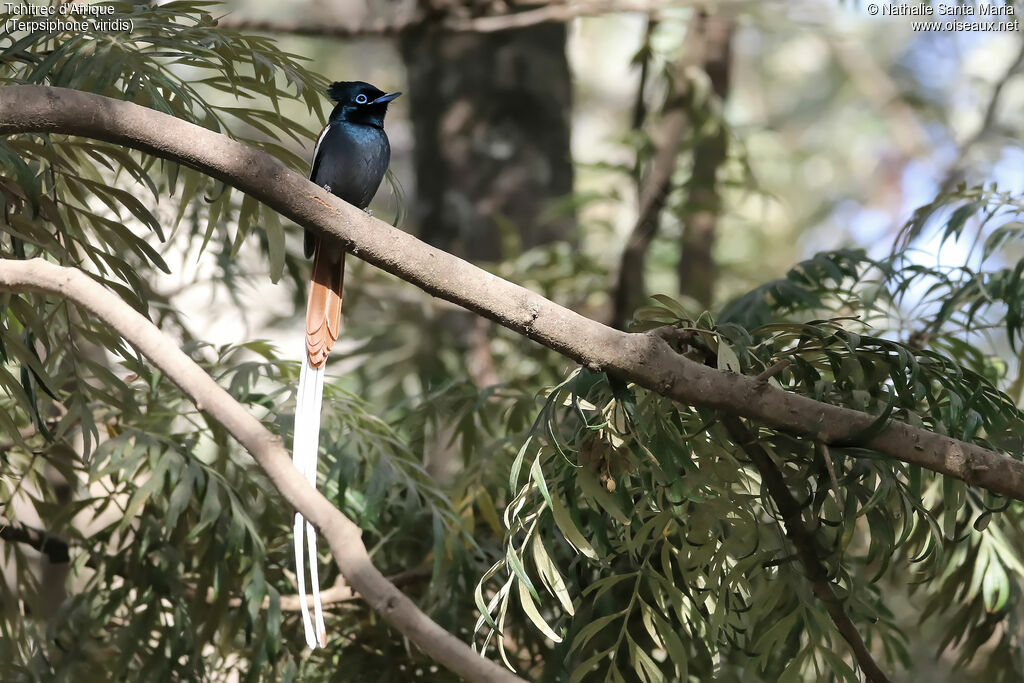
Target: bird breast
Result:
[[353, 160]]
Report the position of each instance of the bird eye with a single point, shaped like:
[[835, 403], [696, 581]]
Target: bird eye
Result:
[[360, 98]]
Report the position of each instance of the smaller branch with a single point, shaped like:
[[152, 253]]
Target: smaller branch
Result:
[[24, 433], [803, 540], [640, 103], [339, 592], [774, 370], [547, 14], [955, 172], [58, 552], [560, 13], [55, 549], [1016, 389], [677, 337], [832, 474]]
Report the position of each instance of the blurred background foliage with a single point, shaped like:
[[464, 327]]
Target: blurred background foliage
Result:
[[804, 189]]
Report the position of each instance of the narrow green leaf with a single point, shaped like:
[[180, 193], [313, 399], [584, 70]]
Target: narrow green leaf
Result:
[[569, 530], [530, 607], [550, 575]]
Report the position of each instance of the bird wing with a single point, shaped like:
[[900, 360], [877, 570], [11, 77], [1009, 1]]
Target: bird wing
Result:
[[316, 153], [309, 241]]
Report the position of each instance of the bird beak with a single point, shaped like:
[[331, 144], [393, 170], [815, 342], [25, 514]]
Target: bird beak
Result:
[[384, 99]]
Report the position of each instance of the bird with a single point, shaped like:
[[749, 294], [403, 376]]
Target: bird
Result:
[[351, 156]]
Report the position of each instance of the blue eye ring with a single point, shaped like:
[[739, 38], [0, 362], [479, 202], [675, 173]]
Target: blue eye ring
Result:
[[361, 99]]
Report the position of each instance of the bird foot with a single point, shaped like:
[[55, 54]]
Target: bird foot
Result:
[[369, 212], [327, 188]]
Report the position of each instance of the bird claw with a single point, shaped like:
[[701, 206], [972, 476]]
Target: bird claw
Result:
[[327, 188], [369, 212]]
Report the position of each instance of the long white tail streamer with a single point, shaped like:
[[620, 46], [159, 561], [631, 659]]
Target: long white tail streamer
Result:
[[305, 454]]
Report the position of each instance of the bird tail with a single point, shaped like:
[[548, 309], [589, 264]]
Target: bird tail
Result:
[[323, 323], [323, 311]]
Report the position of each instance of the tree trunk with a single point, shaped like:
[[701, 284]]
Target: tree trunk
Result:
[[491, 118], [697, 269]]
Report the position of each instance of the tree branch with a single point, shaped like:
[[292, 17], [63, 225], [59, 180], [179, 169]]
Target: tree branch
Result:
[[556, 12], [343, 536], [55, 549], [646, 359], [803, 540], [58, 551], [339, 592], [955, 172]]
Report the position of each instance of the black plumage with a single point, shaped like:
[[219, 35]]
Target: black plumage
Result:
[[352, 153]]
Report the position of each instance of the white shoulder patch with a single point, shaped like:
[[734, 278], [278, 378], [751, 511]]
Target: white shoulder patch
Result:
[[316, 150]]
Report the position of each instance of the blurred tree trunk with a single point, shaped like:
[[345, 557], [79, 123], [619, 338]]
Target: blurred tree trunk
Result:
[[491, 116], [491, 120], [697, 269], [685, 112]]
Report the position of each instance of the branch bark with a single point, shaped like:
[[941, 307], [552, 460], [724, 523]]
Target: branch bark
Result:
[[646, 359], [343, 536]]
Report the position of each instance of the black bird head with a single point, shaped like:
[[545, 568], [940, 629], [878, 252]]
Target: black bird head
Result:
[[359, 102]]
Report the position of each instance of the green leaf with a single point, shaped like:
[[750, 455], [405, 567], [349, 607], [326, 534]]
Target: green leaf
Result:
[[727, 358], [516, 564], [569, 530], [550, 575], [538, 477], [530, 607], [592, 629], [517, 464], [255, 591]]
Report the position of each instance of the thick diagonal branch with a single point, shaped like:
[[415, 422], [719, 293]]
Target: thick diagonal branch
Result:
[[342, 534], [646, 359], [802, 539]]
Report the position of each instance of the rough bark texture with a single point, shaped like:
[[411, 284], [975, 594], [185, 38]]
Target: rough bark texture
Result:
[[491, 116], [645, 359]]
